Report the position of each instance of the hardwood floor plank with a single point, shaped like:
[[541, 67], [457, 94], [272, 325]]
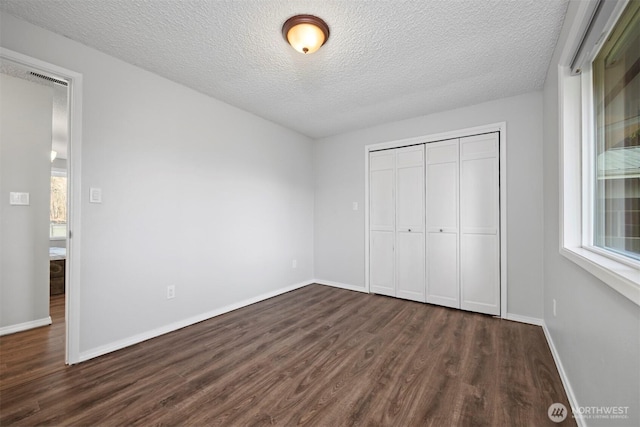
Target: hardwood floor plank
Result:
[[314, 356]]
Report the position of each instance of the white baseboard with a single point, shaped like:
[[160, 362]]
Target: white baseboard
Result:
[[524, 319], [12, 329], [563, 376], [120, 344], [340, 285]]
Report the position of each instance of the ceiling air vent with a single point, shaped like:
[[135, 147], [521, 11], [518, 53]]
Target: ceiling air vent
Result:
[[51, 79]]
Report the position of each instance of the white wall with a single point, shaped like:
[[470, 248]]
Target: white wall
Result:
[[25, 147], [596, 331], [196, 194], [339, 181]]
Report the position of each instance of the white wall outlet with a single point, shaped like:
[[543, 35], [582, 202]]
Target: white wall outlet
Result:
[[294, 264], [554, 307], [171, 291]]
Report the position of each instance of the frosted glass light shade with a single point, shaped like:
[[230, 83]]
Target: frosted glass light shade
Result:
[[305, 33]]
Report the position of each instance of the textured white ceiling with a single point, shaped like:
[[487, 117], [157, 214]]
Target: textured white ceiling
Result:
[[384, 61]]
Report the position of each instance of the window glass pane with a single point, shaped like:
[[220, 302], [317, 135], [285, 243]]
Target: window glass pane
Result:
[[58, 208], [617, 116]]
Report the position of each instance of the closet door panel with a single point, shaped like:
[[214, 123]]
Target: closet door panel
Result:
[[442, 196], [443, 270], [382, 212], [381, 259], [480, 275], [410, 189], [479, 224], [410, 264], [480, 196], [411, 198], [442, 223], [410, 259], [382, 222]]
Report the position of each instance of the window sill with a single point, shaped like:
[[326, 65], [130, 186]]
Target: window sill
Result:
[[621, 277], [52, 239]]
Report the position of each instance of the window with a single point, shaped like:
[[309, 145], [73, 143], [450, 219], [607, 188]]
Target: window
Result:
[[616, 109], [599, 110], [58, 206]]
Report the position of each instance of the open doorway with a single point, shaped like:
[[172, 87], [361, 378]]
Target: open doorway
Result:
[[51, 200], [34, 150]]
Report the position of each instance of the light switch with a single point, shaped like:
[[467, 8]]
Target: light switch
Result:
[[355, 206], [95, 195], [18, 199]]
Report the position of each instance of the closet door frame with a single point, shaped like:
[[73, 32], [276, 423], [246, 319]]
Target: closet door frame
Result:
[[501, 128]]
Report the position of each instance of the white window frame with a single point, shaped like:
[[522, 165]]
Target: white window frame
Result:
[[577, 157]]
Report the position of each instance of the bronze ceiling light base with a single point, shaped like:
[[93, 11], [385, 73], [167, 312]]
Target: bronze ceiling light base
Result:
[[305, 33]]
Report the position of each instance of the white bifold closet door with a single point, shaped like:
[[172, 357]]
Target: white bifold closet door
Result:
[[434, 223], [396, 221], [463, 223], [410, 257], [443, 284], [480, 224], [382, 221]]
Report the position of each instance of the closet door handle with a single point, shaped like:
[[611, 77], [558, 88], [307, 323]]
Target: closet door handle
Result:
[[409, 230], [441, 230]]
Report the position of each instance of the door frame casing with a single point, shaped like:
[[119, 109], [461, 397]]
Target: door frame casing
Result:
[[74, 193], [501, 128]]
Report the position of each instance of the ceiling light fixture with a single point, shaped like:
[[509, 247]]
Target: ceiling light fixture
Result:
[[305, 33]]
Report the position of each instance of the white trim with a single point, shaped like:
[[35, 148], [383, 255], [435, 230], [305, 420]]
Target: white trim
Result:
[[587, 162], [72, 279], [367, 285], [341, 285], [621, 277], [631, 262], [126, 342], [503, 218], [569, 160], [524, 319], [12, 329], [500, 127], [573, 401], [425, 139]]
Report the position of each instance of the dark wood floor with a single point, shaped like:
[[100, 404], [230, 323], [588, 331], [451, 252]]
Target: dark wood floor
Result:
[[35, 353], [316, 356]]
